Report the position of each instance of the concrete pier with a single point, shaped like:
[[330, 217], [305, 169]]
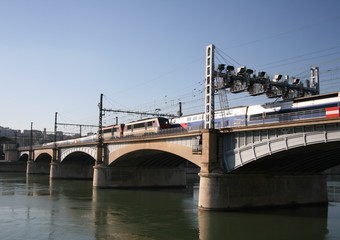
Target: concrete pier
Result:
[[243, 191], [37, 168], [226, 191], [126, 177], [70, 171]]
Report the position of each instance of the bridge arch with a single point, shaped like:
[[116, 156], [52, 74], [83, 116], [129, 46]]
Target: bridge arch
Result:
[[43, 157], [313, 158], [43, 154], [309, 149], [87, 150], [23, 157], [151, 152], [75, 165]]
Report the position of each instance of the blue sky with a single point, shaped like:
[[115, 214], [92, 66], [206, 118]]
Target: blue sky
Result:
[[59, 56]]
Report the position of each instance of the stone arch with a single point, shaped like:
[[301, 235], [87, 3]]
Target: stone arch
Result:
[[75, 165], [170, 148], [42, 154], [287, 154], [79, 157], [23, 157], [91, 151]]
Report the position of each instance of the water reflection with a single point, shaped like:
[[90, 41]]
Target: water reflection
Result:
[[333, 186], [302, 223], [144, 214], [37, 208]]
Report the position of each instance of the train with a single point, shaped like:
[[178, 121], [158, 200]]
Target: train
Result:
[[136, 128], [317, 106]]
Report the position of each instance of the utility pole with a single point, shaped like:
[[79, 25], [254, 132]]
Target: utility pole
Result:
[[179, 113], [31, 143], [69, 124], [209, 121], [55, 126], [55, 137], [100, 132], [78, 125]]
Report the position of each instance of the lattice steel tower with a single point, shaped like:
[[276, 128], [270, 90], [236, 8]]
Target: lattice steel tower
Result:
[[209, 88]]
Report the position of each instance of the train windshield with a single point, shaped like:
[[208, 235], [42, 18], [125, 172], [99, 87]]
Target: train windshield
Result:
[[163, 122]]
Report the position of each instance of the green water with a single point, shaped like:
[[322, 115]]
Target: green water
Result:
[[37, 208]]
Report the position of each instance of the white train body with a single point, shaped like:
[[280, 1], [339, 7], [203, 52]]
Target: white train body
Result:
[[318, 106]]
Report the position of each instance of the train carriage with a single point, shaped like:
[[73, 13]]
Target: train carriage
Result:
[[146, 126], [318, 106], [227, 118], [113, 131]]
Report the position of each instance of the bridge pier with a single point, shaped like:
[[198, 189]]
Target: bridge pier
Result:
[[33, 167], [243, 191], [227, 191], [70, 171], [133, 177], [54, 170]]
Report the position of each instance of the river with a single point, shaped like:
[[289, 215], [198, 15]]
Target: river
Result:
[[37, 208]]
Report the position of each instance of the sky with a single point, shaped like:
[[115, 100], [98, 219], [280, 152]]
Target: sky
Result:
[[59, 56]]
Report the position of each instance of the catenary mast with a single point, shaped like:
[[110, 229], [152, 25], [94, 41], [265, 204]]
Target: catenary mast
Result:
[[209, 88]]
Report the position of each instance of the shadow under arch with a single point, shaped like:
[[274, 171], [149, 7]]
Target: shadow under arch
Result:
[[170, 152], [77, 165]]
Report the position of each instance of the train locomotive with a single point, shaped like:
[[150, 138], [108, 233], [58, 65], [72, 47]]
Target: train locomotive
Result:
[[136, 128]]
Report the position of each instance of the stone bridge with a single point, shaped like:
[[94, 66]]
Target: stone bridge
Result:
[[257, 166]]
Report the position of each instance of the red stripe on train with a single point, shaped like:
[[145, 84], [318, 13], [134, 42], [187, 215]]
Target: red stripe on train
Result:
[[332, 112]]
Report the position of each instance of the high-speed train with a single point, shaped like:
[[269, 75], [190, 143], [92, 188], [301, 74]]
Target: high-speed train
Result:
[[317, 106]]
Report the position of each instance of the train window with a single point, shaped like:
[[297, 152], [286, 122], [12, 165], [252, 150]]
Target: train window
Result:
[[189, 119], [149, 124], [129, 127], [139, 125], [108, 130], [162, 121], [255, 117]]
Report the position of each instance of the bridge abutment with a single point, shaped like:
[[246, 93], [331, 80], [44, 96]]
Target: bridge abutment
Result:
[[11, 153]]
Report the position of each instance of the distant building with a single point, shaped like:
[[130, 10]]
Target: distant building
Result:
[[23, 138]]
